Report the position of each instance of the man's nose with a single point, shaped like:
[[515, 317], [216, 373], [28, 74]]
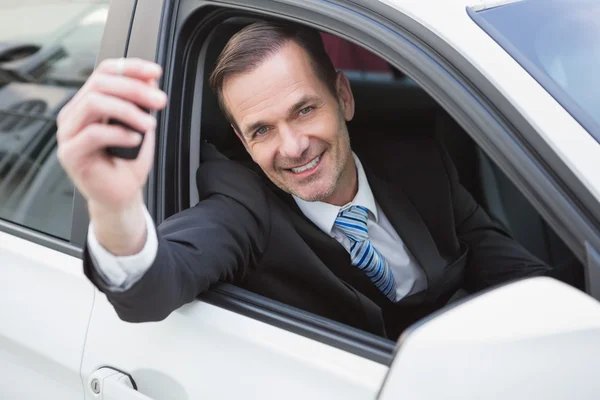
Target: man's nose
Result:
[[293, 143]]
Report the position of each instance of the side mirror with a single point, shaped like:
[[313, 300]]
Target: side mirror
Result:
[[537, 338]]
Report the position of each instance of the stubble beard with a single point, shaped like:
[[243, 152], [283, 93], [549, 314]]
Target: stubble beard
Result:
[[338, 170]]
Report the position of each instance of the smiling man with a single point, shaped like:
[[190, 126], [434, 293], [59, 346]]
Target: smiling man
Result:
[[290, 112], [375, 242]]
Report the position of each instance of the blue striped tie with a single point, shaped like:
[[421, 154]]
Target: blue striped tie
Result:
[[353, 223]]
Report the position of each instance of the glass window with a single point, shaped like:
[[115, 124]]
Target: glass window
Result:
[[558, 42], [354, 60], [48, 49]]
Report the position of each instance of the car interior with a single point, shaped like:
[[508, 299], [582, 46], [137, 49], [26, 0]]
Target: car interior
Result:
[[389, 103]]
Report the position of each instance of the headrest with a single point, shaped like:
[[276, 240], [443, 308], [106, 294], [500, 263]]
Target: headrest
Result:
[[215, 128]]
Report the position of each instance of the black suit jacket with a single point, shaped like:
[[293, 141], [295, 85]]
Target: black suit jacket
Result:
[[246, 231]]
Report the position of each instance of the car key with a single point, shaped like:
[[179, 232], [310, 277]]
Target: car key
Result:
[[128, 153]]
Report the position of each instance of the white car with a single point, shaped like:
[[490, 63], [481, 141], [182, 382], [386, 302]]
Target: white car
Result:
[[509, 87]]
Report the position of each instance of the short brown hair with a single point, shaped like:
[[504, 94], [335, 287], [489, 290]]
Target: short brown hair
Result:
[[256, 42]]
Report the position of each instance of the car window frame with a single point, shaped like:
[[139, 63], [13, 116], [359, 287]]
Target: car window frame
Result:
[[423, 49], [115, 41], [425, 54]]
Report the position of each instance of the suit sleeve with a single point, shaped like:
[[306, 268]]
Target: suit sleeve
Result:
[[217, 240], [494, 256]]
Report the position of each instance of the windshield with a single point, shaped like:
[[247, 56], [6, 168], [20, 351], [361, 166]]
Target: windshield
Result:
[[558, 43]]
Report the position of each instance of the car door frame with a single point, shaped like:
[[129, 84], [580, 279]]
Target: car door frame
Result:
[[115, 42]]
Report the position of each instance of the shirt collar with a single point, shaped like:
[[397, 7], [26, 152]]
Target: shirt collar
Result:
[[324, 214]]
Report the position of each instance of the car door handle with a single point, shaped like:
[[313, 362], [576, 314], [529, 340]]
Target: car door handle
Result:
[[111, 384]]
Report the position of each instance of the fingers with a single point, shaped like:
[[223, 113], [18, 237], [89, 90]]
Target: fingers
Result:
[[131, 67], [116, 90], [93, 138], [96, 107], [144, 94], [136, 82]]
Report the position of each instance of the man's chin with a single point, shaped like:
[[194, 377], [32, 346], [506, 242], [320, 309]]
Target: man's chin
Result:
[[311, 194]]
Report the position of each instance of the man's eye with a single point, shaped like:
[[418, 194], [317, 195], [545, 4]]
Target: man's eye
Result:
[[305, 111], [262, 130]]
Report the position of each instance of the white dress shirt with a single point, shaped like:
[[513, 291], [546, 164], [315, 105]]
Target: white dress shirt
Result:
[[409, 276], [122, 272]]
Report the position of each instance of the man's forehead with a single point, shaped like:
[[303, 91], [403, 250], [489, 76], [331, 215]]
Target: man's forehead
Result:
[[249, 93], [283, 78]]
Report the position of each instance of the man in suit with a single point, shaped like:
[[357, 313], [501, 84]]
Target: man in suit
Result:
[[376, 238]]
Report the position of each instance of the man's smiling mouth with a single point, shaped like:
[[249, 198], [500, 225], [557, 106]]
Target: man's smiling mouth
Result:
[[307, 166]]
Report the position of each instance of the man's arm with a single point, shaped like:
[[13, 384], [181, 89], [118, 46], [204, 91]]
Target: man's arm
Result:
[[494, 256], [198, 247], [211, 242]]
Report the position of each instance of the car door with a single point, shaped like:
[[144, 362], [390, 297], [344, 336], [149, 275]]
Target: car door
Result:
[[47, 50], [230, 343], [204, 350]]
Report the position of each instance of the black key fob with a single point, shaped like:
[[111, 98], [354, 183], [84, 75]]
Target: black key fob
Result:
[[128, 153]]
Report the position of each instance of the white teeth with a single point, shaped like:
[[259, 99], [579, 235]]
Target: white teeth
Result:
[[310, 165]]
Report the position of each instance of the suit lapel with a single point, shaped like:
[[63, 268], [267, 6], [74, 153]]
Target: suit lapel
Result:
[[329, 250], [403, 216], [407, 222]]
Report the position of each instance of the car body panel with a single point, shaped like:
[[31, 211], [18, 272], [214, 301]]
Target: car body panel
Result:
[[532, 339], [44, 314], [203, 351]]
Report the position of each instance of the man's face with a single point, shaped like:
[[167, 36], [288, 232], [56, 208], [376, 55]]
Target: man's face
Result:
[[293, 126]]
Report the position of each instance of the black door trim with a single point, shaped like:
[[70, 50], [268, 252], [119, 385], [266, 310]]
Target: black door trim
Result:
[[291, 319], [43, 239], [593, 271]]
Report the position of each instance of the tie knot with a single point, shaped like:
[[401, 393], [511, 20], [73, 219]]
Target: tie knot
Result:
[[353, 222]]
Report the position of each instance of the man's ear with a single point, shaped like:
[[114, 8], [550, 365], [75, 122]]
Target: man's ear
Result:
[[345, 96]]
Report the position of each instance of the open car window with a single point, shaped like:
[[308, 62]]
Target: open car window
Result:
[[388, 108]]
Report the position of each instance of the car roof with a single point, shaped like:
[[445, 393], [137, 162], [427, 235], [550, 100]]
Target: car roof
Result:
[[429, 10], [439, 5]]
